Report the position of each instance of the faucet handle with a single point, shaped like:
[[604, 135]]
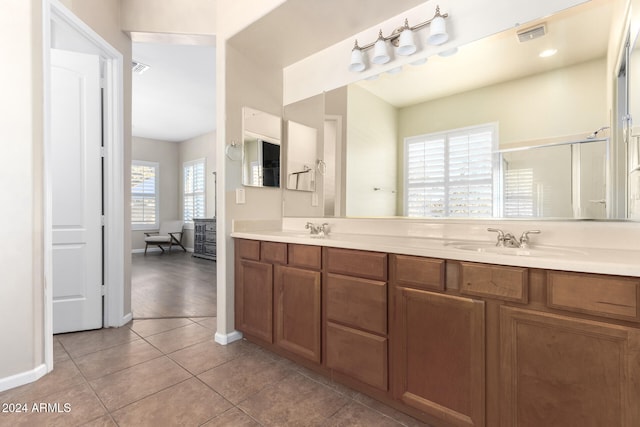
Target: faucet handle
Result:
[[500, 241], [524, 239], [308, 226]]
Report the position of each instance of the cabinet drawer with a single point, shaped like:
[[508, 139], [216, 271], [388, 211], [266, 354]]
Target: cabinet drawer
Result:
[[358, 354], [417, 272], [305, 256], [360, 303], [615, 297], [209, 249], [210, 227], [494, 281], [274, 252], [248, 249], [371, 265]]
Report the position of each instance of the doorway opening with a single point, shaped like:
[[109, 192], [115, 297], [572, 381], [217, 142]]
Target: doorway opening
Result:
[[173, 127]]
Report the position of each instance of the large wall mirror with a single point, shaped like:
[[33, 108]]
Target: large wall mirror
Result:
[[261, 135], [502, 128]]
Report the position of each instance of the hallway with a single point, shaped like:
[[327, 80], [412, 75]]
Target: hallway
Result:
[[170, 372], [172, 285]]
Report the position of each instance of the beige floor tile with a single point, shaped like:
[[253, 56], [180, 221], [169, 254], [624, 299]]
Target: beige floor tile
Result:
[[132, 384], [207, 322], [59, 353], [401, 417], [245, 375], [104, 421], [114, 359], [232, 418], [189, 403], [147, 327], [206, 355], [179, 338], [81, 343], [357, 415], [295, 401], [65, 375], [70, 407]]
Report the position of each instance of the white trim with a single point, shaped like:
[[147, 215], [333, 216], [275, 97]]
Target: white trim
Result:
[[23, 377], [113, 313], [225, 339], [127, 318]]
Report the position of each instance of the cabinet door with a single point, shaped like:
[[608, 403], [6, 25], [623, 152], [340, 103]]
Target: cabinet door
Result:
[[254, 299], [438, 360], [297, 311], [561, 371]]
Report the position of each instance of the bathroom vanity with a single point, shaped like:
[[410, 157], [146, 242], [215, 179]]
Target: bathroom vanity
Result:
[[449, 335]]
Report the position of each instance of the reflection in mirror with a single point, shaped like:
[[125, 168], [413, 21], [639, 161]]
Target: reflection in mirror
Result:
[[632, 73], [302, 146], [533, 101], [555, 181], [261, 148]]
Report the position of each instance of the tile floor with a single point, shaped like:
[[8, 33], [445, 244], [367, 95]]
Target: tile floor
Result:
[[170, 372]]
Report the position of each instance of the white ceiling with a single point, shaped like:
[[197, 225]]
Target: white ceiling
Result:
[[175, 99]]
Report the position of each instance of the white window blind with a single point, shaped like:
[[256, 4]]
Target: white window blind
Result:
[[144, 195], [194, 190], [518, 193], [450, 174]]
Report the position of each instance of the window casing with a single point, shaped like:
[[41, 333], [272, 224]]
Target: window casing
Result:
[[194, 204], [144, 195], [451, 174]]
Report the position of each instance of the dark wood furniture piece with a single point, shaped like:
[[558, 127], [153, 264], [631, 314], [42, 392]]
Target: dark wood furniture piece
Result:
[[204, 238]]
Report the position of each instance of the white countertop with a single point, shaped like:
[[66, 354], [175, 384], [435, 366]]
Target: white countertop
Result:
[[624, 262]]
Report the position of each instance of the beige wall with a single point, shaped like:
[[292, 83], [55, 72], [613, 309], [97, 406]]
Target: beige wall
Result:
[[166, 154], [372, 131], [169, 16], [200, 147], [239, 82], [21, 192]]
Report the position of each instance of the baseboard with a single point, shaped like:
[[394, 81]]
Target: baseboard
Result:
[[23, 378], [225, 339], [127, 318], [141, 251]]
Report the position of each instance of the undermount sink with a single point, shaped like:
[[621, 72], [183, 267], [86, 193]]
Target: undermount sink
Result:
[[536, 251]]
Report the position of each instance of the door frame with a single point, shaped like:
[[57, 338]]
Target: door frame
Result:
[[113, 173]]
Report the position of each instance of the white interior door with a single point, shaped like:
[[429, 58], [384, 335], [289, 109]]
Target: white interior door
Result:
[[76, 139]]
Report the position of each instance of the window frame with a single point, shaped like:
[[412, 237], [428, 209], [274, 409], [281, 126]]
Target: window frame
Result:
[[156, 225], [191, 163], [446, 135]]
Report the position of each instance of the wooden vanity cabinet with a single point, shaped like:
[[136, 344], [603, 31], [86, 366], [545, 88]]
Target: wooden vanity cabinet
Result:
[[297, 302], [438, 345], [560, 371], [253, 291], [278, 295], [356, 330]]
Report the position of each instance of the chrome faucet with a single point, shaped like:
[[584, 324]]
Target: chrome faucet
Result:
[[508, 240], [317, 230]]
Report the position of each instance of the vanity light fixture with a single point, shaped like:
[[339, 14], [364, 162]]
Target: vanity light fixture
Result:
[[403, 39]]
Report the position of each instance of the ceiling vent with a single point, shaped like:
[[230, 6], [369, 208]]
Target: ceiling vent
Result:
[[532, 33], [139, 67]]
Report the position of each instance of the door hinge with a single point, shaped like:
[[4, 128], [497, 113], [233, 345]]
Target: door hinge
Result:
[[101, 82], [102, 291], [102, 220], [102, 152]]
